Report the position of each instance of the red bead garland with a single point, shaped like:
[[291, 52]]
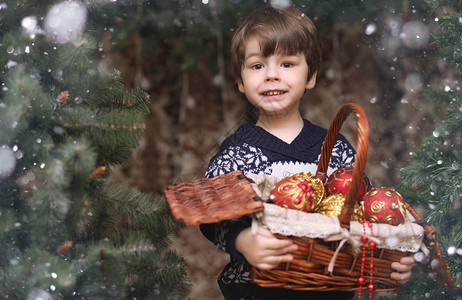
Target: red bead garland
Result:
[[372, 245], [371, 286]]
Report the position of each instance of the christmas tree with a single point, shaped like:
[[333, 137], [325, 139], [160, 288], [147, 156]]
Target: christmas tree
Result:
[[436, 174], [65, 120]]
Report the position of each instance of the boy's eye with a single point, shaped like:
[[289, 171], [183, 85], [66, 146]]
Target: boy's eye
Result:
[[287, 65], [257, 66]]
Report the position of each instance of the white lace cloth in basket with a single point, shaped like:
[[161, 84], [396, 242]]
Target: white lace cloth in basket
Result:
[[406, 237]]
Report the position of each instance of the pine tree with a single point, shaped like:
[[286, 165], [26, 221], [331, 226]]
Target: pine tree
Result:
[[436, 175], [66, 231]]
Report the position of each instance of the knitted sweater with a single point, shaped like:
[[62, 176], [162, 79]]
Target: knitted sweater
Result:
[[251, 149]]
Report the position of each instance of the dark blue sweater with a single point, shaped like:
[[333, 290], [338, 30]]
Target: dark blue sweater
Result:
[[251, 149]]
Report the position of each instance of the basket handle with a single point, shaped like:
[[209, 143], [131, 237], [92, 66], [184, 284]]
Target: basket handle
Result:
[[362, 145]]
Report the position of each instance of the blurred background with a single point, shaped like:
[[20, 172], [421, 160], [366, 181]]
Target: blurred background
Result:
[[381, 55]]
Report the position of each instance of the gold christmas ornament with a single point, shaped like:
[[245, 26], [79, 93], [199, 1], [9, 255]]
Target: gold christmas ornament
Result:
[[332, 207], [358, 212]]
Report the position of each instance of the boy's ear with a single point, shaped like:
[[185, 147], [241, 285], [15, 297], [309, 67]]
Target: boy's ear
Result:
[[311, 82], [240, 85]]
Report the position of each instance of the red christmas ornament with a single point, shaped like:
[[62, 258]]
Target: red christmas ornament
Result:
[[340, 180], [301, 191], [384, 205]]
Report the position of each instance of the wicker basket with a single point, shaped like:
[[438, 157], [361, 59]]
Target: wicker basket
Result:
[[211, 200], [231, 196], [308, 270]]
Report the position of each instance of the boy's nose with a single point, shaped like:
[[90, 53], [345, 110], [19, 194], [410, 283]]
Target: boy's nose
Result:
[[272, 74]]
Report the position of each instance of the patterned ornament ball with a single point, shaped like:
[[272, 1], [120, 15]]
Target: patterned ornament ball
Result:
[[339, 182], [384, 205], [302, 191]]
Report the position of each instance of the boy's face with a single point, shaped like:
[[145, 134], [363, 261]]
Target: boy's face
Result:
[[274, 84]]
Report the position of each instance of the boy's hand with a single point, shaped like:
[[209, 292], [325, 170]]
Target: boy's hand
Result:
[[264, 250], [404, 268]]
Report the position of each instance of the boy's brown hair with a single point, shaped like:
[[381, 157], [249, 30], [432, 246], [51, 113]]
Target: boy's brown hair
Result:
[[285, 30]]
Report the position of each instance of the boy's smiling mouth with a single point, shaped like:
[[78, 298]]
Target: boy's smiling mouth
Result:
[[273, 93]]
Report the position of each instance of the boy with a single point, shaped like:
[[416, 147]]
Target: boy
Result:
[[276, 53]]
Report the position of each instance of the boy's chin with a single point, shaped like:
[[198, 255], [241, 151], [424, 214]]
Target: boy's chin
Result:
[[274, 114]]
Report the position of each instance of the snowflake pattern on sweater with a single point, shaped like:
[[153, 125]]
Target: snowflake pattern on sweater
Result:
[[251, 149], [243, 157]]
